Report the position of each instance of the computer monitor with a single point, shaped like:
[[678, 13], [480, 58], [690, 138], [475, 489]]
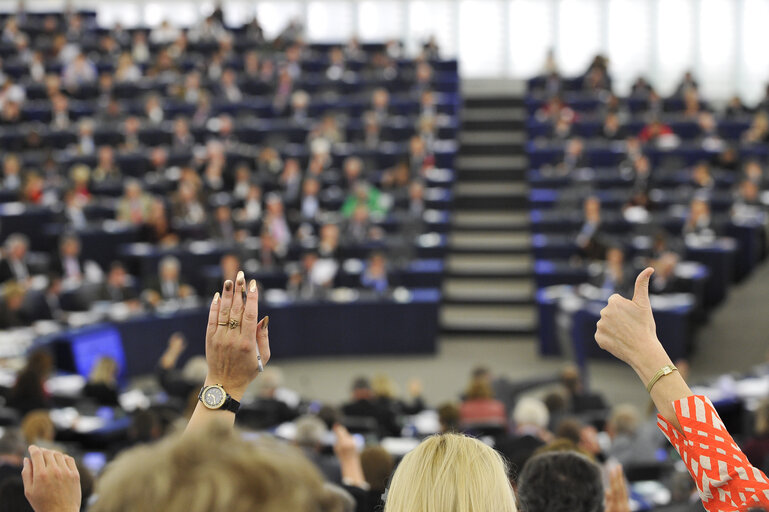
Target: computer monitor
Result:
[[91, 344]]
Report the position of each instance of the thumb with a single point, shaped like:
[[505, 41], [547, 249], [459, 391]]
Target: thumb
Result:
[[641, 295], [26, 474]]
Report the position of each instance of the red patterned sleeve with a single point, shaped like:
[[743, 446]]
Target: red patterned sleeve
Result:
[[726, 480]]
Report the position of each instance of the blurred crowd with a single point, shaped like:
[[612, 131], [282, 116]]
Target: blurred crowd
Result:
[[278, 153]]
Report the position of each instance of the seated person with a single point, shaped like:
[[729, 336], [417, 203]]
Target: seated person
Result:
[[530, 418], [590, 243], [615, 276], [313, 277], [374, 276], [480, 408], [698, 222], [134, 206], [363, 405], [14, 266], [102, 384], [654, 130], [117, 286], [177, 383], [573, 157], [665, 279], [12, 311], [168, 285]]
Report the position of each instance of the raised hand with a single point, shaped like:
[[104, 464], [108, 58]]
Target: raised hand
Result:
[[233, 335], [616, 499], [626, 328], [51, 481]]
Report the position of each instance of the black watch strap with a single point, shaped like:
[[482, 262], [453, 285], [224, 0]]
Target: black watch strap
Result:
[[230, 404]]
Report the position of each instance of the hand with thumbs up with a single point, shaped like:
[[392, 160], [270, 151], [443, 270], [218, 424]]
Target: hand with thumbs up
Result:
[[626, 328]]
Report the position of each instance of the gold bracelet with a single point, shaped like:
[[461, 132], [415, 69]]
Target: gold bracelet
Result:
[[665, 370]]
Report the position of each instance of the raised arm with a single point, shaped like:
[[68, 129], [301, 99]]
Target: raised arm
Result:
[[236, 347], [724, 477]]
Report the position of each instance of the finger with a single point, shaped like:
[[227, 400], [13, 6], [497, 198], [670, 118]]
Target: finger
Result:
[[263, 339], [249, 323], [213, 315], [71, 464], [622, 494], [225, 304], [58, 458], [50, 461], [36, 456], [26, 474], [237, 300], [641, 295]]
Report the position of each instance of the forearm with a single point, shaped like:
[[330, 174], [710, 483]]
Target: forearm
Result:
[[668, 389], [202, 416], [352, 471]]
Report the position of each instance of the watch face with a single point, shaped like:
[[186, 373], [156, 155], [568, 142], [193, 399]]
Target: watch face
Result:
[[213, 397]]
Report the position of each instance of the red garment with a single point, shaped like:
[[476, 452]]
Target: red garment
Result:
[[726, 480], [650, 132], [482, 411]]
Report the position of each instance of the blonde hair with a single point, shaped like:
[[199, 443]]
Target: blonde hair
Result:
[[37, 426], [104, 371], [451, 472], [214, 469], [383, 386]]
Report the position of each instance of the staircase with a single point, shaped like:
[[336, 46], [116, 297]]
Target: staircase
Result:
[[488, 289]]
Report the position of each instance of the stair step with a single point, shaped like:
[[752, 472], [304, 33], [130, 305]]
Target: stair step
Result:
[[480, 124], [492, 162], [466, 318], [491, 219], [492, 137], [515, 290], [493, 100], [494, 113], [492, 189], [470, 175], [490, 242], [484, 265]]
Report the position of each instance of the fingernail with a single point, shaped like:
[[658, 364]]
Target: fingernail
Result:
[[228, 285], [241, 278], [266, 321], [252, 286], [216, 297]]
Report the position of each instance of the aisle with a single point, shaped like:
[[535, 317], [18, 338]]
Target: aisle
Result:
[[737, 335]]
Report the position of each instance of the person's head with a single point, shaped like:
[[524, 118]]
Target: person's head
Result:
[[448, 417], [361, 389], [145, 426], [12, 446], [69, 247], [12, 498], [698, 209], [560, 481], [749, 190], [615, 256], [13, 296], [16, 246], [571, 379], [623, 421], [377, 465], [479, 389], [132, 189], [229, 264], [37, 427], [592, 209], [195, 370], [383, 386], [117, 274], [530, 412], [193, 474], [451, 472], [104, 371], [169, 269], [310, 432]]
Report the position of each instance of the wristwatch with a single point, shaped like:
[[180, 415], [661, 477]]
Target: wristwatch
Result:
[[215, 397]]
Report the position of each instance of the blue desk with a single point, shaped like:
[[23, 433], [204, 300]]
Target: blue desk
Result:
[[369, 326]]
